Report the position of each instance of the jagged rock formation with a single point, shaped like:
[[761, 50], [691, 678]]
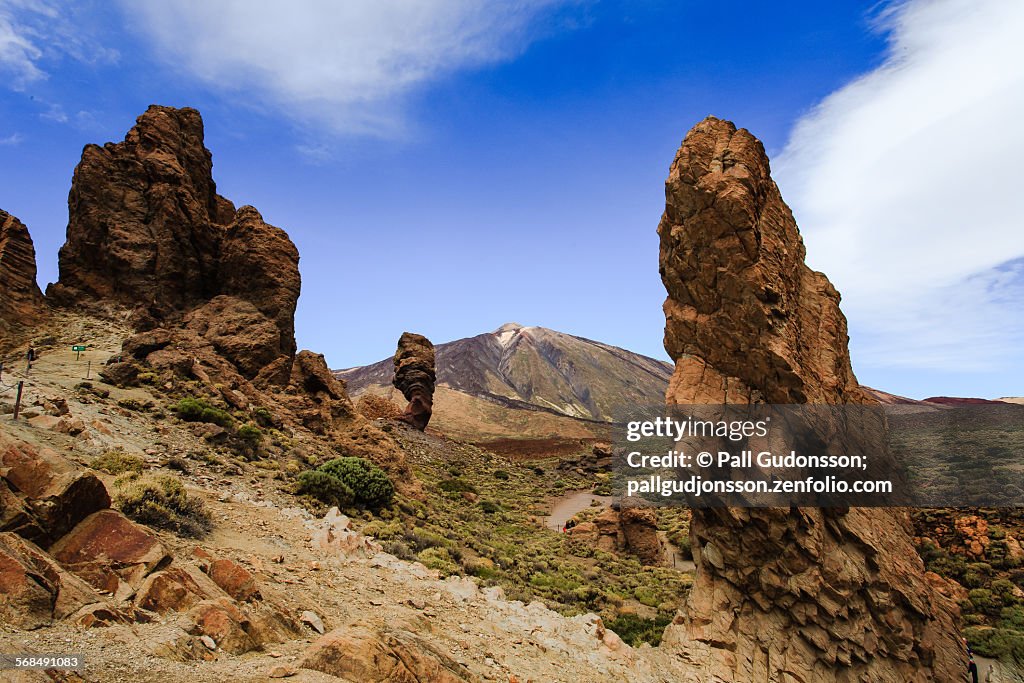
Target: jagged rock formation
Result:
[[415, 377], [21, 302], [148, 231], [629, 529], [212, 291], [780, 594]]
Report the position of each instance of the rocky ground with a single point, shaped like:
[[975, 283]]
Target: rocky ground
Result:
[[379, 614]]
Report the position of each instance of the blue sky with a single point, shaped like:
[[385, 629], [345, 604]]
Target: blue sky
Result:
[[445, 167]]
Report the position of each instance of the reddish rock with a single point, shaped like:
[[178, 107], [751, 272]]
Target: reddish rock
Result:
[[111, 552], [239, 332], [175, 589], [148, 231], [640, 531], [223, 621], [415, 378], [56, 493], [390, 656], [320, 401], [145, 221], [234, 579], [260, 264], [21, 302], [34, 589], [972, 536], [16, 517], [830, 594]]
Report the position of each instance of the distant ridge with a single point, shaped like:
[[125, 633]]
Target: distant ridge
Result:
[[533, 369]]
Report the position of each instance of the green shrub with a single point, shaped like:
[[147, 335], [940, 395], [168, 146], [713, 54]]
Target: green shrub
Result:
[[439, 559], [250, 434], [135, 405], [325, 488], [118, 461], [636, 630], [501, 474], [997, 643], [192, 409], [163, 503], [489, 507], [263, 417], [368, 482], [347, 481]]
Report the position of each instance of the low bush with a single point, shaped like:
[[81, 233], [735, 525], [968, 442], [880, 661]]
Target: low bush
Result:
[[344, 481], [163, 503], [501, 474], [369, 483], [489, 507], [118, 461], [325, 488], [263, 417], [192, 409], [998, 643], [637, 630]]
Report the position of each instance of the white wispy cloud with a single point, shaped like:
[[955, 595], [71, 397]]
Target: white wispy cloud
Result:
[[348, 64], [37, 33], [907, 185], [11, 140]]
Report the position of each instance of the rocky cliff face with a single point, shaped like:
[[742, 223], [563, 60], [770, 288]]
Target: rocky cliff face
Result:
[[21, 302], [148, 231], [780, 594]]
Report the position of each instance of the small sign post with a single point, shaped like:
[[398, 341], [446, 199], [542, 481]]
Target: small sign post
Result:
[[78, 348]]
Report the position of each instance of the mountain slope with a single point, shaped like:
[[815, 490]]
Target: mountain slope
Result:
[[516, 368]]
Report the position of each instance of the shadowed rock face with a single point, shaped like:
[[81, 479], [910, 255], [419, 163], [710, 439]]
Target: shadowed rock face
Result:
[[147, 230], [414, 377], [144, 217], [21, 302], [809, 593]]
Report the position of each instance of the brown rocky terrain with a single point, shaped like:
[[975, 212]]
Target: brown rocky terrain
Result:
[[272, 590], [802, 593], [21, 302]]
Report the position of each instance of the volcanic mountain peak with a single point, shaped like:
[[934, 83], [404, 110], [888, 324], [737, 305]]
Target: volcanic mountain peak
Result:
[[507, 332], [537, 369]]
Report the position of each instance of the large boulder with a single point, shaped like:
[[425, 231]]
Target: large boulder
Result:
[[371, 655], [794, 593], [21, 302], [34, 589], [111, 552], [319, 399], [51, 494]]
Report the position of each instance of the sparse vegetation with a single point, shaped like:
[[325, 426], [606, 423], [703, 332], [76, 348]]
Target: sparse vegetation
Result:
[[163, 503], [636, 630], [191, 409], [118, 461]]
